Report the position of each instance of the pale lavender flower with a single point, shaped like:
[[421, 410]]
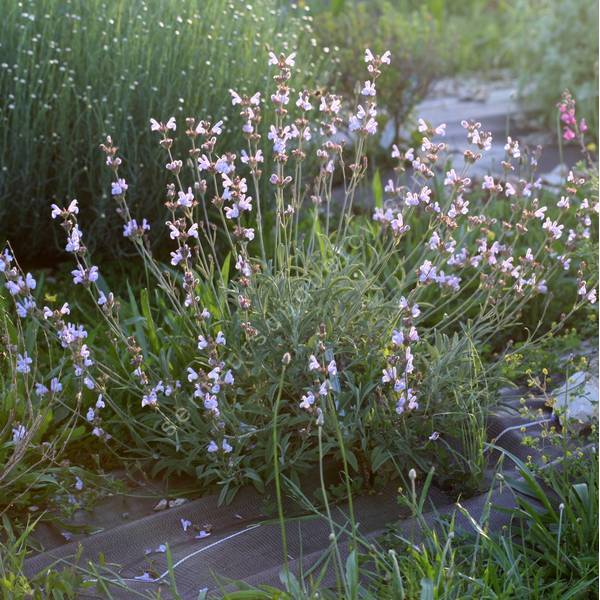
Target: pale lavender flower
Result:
[[25, 306], [287, 61], [313, 363], [215, 374], [512, 147], [204, 163], [5, 261], [440, 130], [30, 282], [85, 276], [119, 187], [243, 266], [131, 228], [185, 199], [235, 97], [368, 89], [202, 533], [70, 334], [383, 216], [307, 400], [150, 399], [303, 101], [174, 166], [74, 240], [185, 524], [158, 126], [411, 199], [40, 389], [434, 241], [72, 209], [19, 433], [371, 126], [488, 183], [211, 403], [553, 228], [180, 255], [427, 272], [397, 338], [399, 385], [397, 224], [223, 165], [23, 362]]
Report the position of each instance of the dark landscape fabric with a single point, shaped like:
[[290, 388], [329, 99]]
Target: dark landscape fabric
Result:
[[245, 542]]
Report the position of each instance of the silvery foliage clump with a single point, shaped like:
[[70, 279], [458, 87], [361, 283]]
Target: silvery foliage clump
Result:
[[359, 304]]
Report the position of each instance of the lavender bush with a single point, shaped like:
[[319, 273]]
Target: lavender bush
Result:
[[320, 333]]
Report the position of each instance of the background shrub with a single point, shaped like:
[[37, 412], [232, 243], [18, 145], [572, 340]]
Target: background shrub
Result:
[[413, 36], [558, 50]]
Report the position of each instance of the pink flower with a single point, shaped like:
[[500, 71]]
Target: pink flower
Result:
[[568, 134], [567, 116]]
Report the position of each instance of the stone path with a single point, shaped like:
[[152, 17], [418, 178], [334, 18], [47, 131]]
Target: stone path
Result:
[[495, 105]]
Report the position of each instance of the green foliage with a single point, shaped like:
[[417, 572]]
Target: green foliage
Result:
[[548, 354], [556, 48], [62, 584], [413, 37], [36, 473], [73, 72]]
